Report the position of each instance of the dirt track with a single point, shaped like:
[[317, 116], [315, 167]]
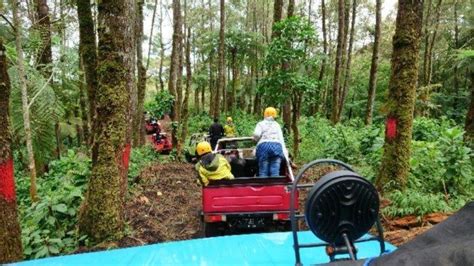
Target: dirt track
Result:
[[164, 205]]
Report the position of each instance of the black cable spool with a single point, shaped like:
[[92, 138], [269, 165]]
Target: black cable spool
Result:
[[341, 202]]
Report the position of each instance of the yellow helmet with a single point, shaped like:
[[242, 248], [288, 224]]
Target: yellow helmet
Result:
[[270, 111], [229, 119], [203, 148]]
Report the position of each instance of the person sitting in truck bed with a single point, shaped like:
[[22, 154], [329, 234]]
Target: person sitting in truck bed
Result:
[[211, 166]]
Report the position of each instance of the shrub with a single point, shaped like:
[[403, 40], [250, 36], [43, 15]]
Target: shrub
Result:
[[49, 225]]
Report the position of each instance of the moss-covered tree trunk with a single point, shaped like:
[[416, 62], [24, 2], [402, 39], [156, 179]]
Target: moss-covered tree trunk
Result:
[[10, 234], [469, 126], [101, 215], [24, 100], [338, 65], [402, 94], [374, 64], [88, 54], [139, 118]]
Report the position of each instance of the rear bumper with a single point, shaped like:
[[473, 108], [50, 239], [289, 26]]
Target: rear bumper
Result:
[[247, 220]]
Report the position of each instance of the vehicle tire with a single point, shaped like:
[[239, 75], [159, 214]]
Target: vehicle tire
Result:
[[211, 230]]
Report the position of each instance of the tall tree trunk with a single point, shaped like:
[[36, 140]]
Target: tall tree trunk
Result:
[[83, 106], [402, 95], [102, 213], [187, 52], [277, 16], [347, 7], [431, 44], [456, 46], [374, 65], [221, 81], [235, 80], [224, 93], [150, 40], [10, 232], [277, 13], [287, 120], [45, 55], [322, 71], [174, 66], [162, 50], [426, 35], [185, 108], [24, 101], [212, 96], [338, 65], [88, 54], [296, 102], [139, 118], [179, 92], [347, 73], [291, 8], [469, 126]]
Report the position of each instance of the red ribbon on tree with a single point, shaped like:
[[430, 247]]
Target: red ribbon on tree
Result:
[[391, 128], [126, 156], [7, 183]]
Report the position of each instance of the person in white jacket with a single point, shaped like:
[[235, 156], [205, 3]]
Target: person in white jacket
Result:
[[271, 148]]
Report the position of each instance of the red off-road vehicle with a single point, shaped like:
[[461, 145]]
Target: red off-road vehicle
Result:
[[248, 201], [162, 142]]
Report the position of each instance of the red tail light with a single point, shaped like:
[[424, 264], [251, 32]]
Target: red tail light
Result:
[[281, 216], [214, 218]]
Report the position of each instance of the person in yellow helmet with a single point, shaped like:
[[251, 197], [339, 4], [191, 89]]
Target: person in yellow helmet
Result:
[[271, 148], [229, 128], [211, 166]]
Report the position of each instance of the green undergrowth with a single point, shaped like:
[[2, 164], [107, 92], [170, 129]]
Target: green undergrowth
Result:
[[441, 165], [49, 226]]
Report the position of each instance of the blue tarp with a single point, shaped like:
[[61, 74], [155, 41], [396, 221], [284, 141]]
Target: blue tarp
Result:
[[251, 249]]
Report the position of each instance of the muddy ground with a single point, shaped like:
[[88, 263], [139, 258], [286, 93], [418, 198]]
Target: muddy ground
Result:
[[165, 205]]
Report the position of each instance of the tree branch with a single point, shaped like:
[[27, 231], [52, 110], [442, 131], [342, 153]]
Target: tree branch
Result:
[[8, 21]]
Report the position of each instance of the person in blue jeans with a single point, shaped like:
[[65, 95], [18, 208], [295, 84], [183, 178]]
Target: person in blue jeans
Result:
[[271, 148]]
